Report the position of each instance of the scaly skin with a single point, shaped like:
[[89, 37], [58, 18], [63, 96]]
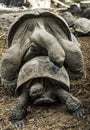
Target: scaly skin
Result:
[[36, 90], [86, 13], [73, 104], [72, 53], [50, 43], [75, 67], [57, 48], [60, 50], [38, 94], [19, 112], [11, 64]]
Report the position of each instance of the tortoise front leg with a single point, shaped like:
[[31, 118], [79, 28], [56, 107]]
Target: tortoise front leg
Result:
[[73, 104], [19, 112]]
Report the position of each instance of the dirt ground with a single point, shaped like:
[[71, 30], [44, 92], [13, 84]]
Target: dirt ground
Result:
[[53, 117]]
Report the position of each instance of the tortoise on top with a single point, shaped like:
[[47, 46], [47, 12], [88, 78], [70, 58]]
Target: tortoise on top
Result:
[[40, 33], [40, 81]]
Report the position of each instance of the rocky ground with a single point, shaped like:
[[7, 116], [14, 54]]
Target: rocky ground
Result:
[[53, 117]]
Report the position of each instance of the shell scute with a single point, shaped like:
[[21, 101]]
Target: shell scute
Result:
[[42, 67]]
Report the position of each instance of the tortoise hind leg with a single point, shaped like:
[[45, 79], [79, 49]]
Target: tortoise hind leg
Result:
[[9, 67], [49, 42], [11, 64], [19, 112], [73, 104]]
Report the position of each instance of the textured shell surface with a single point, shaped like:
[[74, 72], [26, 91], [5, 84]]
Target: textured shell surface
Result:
[[20, 28], [42, 67], [82, 25]]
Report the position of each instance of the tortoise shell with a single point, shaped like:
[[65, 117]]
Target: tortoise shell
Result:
[[86, 13], [18, 28], [82, 25], [42, 67]]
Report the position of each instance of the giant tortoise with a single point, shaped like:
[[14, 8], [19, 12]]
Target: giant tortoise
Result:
[[74, 9], [86, 13], [40, 33], [40, 81], [41, 53], [82, 27]]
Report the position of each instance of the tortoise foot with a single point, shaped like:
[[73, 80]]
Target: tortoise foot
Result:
[[17, 117], [9, 86], [79, 113], [75, 107], [19, 124], [75, 76]]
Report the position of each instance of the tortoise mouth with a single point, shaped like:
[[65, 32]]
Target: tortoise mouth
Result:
[[43, 100]]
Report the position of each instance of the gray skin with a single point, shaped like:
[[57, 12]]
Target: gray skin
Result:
[[50, 84], [86, 13], [19, 112], [82, 27], [35, 34], [70, 19]]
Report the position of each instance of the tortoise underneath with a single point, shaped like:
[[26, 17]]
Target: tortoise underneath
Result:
[[40, 81]]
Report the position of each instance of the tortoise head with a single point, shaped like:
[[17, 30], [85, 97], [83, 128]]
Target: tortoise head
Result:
[[36, 90]]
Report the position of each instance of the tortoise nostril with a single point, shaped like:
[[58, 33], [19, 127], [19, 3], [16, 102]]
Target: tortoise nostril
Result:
[[34, 91]]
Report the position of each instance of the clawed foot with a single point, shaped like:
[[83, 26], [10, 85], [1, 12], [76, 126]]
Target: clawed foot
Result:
[[75, 107], [79, 112], [17, 117], [75, 76], [19, 123], [9, 86]]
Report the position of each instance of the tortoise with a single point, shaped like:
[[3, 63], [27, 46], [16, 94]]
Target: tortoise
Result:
[[82, 27], [70, 19], [40, 33], [9, 3], [40, 81], [86, 13], [74, 9]]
